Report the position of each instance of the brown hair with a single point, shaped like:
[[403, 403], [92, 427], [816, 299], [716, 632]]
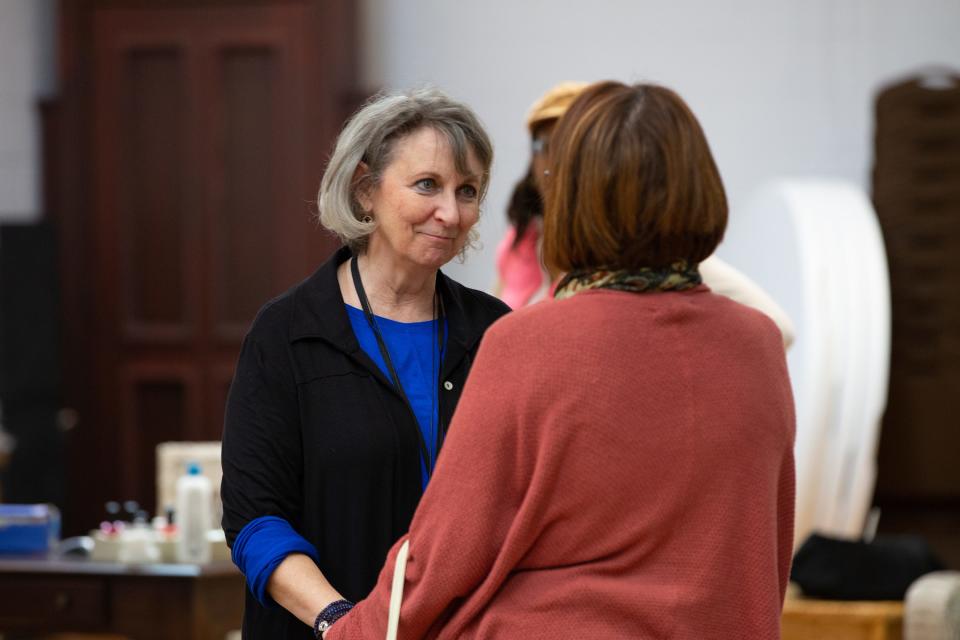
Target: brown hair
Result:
[[632, 183], [525, 205]]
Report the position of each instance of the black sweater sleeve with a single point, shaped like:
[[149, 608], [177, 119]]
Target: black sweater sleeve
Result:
[[262, 446]]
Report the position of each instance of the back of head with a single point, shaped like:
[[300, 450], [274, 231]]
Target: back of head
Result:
[[632, 183], [369, 137]]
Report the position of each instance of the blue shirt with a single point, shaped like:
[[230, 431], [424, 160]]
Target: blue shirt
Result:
[[414, 351]]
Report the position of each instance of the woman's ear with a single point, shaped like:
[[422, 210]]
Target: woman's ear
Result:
[[361, 186]]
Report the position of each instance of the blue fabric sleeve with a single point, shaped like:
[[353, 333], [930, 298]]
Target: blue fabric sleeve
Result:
[[262, 545]]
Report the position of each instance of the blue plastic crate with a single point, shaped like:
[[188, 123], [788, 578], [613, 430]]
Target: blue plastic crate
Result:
[[28, 528]]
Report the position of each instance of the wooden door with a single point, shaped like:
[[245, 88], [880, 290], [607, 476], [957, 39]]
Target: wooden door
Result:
[[208, 128]]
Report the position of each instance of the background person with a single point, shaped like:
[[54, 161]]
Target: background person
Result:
[[630, 444], [522, 278], [346, 384]]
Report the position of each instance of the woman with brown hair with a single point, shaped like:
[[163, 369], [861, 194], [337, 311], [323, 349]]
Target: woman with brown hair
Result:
[[522, 277], [629, 445]]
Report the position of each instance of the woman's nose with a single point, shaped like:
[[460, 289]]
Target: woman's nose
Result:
[[448, 208]]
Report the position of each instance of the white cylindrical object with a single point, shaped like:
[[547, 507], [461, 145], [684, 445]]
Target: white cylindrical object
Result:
[[816, 247], [193, 515]]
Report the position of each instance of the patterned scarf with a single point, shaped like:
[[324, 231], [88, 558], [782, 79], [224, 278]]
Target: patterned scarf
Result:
[[679, 276]]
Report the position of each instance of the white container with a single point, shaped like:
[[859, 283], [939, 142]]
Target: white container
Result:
[[194, 515], [137, 545]]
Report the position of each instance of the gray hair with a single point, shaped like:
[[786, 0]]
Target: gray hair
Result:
[[370, 136]]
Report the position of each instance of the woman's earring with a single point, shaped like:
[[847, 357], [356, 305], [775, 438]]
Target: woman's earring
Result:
[[367, 219]]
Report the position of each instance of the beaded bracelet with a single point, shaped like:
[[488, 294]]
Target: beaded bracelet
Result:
[[330, 614]]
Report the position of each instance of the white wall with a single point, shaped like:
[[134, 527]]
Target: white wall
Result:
[[27, 71], [782, 87]]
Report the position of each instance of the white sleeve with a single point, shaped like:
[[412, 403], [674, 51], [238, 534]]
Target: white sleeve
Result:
[[725, 280]]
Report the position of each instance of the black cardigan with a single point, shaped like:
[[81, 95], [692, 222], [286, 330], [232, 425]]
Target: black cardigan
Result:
[[316, 434]]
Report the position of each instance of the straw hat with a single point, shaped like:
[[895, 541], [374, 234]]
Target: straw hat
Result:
[[554, 103]]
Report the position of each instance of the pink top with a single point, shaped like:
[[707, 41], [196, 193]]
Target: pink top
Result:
[[521, 275], [620, 466]]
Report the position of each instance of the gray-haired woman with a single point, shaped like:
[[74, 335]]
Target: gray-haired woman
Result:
[[346, 383]]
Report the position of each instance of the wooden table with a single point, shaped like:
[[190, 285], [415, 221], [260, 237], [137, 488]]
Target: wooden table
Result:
[[808, 619], [142, 602]]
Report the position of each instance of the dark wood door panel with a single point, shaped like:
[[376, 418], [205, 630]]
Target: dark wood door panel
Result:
[[252, 101], [159, 403], [144, 203]]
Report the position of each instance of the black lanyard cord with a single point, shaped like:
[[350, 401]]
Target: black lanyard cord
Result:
[[438, 312], [441, 344]]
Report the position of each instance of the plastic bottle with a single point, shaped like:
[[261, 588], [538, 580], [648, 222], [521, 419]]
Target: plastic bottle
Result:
[[194, 506]]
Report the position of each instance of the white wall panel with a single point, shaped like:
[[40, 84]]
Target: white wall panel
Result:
[[27, 57]]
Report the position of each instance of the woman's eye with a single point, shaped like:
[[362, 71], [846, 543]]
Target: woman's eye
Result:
[[468, 191], [426, 184]]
